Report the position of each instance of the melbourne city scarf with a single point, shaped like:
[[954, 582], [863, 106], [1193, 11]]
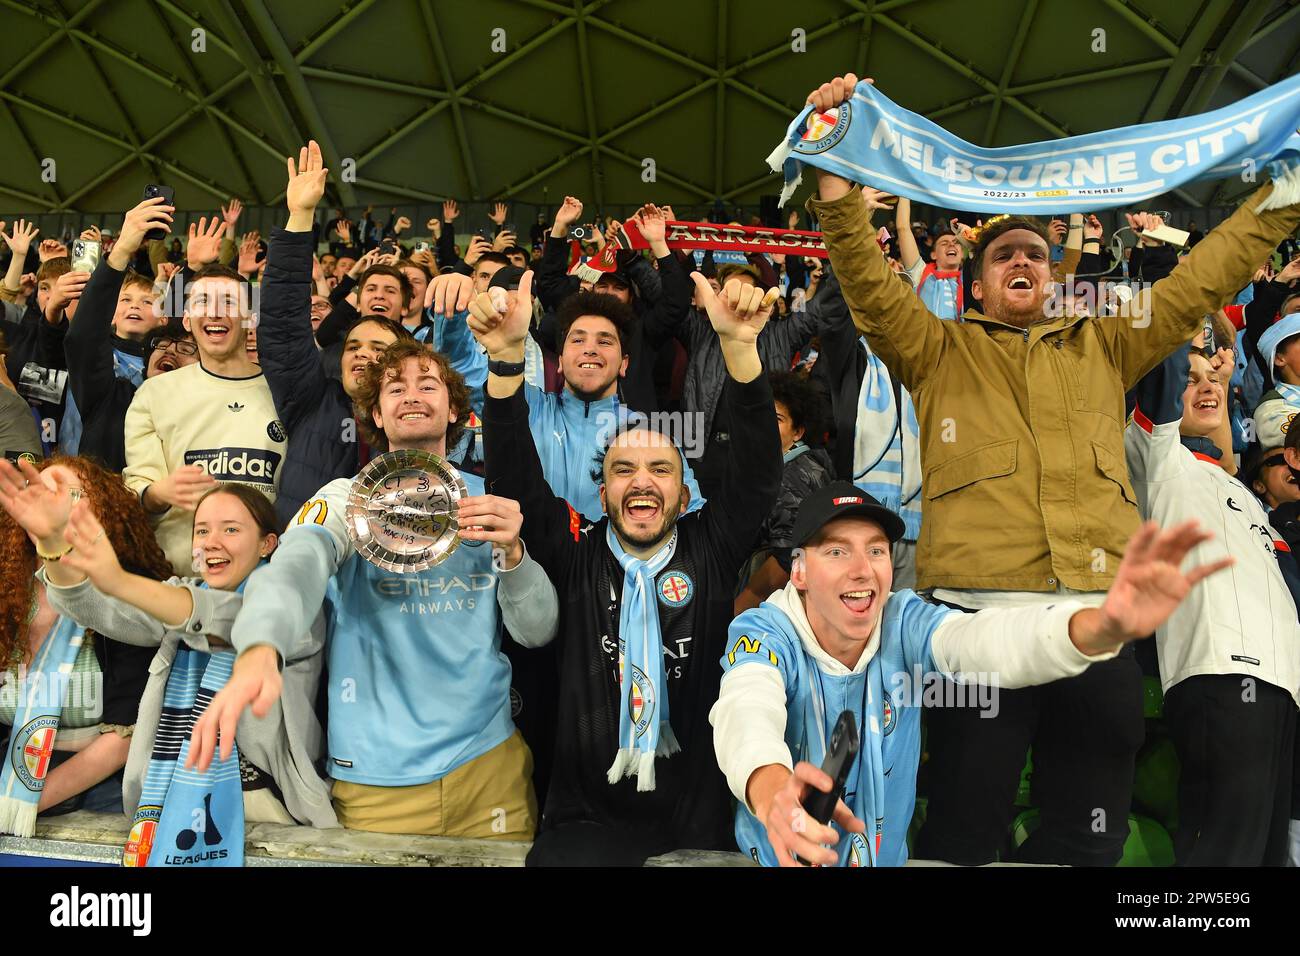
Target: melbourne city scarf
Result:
[[874, 141], [864, 792], [195, 819], [36, 721], [643, 729]]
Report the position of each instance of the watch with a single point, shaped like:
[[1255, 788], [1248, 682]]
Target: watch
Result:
[[506, 369]]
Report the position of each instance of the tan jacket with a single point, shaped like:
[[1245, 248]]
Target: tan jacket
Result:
[[1024, 483]]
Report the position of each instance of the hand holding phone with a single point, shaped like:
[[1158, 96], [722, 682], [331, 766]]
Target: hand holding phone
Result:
[[86, 254], [169, 199]]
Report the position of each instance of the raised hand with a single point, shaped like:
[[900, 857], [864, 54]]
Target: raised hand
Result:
[[501, 333], [739, 312], [450, 210], [20, 237], [306, 180], [67, 289], [91, 234], [146, 215], [92, 553], [499, 212], [39, 501], [503, 241], [1290, 272], [875, 199], [254, 682], [425, 257], [449, 293], [1140, 222], [344, 229], [51, 249], [205, 242], [1092, 228], [248, 250], [569, 212], [365, 262], [793, 221], [653, 222], [832, 94], [401, 224], [1150, 582], [231, 215], [478, 248], [1057, 228]]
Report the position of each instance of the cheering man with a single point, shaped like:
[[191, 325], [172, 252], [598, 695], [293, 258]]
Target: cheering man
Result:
[[648, 594]]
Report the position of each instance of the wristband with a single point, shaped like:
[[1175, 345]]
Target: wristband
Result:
[[54, 557], [506, 369]]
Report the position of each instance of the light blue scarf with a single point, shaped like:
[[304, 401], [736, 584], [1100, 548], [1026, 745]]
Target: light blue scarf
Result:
[[187, 818], [643, 729], [36, 721], [874, 141], [887, 445]]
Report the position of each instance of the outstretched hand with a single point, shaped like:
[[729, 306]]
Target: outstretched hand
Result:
[[254, 682], [739, 312], [503, 332], [306, 180], [1150, 582]]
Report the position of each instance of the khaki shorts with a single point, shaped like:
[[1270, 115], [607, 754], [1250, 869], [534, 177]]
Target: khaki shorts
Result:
[[489, 798]]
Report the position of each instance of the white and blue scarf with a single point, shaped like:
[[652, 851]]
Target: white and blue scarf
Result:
[[36, 721], [887, 445], [872, 140], [187, 818], [643, 729]]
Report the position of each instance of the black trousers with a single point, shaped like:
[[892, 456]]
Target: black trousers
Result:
[[1235, 737], [1085, 731]]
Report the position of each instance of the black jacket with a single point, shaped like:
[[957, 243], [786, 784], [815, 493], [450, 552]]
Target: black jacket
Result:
[[656, 315], [841, 366], [102, 398], [802, 475], [690, 806], [313, 407]]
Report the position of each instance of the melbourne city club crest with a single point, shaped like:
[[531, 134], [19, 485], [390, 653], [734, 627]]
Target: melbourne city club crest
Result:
[[675, 589], [823, 129], [32, 748], [641, 701]]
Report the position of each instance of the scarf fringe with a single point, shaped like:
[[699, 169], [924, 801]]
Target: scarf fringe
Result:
[[645, 772], [622, 765], [668, 744], [17, 817], [1286, 185]]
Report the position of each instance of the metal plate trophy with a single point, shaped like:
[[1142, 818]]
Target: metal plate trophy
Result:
[[402, 511]]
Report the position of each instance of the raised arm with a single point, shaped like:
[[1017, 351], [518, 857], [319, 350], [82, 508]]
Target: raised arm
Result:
[[908, 253], [1168, 314], [285, 345]]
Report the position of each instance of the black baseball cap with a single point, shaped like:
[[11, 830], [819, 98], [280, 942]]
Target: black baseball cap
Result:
[[507, 277], [842, 499]]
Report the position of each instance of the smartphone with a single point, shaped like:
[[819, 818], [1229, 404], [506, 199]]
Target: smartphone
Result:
[[582, 233], [85, 255], [387, 247], [423, 246], [169, 199], [1210, 345], [840, 753]]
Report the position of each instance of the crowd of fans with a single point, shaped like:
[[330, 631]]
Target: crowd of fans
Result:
[[651, 653]]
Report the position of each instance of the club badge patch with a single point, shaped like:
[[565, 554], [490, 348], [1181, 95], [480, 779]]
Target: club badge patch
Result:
[[822, 130], [641, 701], [675, 589], [889, 715], [31, 751]]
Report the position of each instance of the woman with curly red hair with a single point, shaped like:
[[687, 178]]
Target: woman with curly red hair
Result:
[[70, 695]]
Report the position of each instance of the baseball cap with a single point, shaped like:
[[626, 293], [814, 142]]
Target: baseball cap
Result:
[[507, 277], [842, 499]]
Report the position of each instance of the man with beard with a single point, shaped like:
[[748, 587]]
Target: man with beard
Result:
[[646, 599], [1021, 421]]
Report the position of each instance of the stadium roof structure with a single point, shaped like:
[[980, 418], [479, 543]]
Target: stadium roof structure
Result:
[[532, 99]]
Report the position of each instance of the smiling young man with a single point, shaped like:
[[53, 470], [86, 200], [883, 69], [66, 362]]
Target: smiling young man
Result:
[[1230, 655], [647, 598], [835, 639], [213, 421], [421, 738], [1021, 434]]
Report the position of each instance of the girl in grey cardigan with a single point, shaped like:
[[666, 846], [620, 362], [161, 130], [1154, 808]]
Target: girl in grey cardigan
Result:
[[233, 533]]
